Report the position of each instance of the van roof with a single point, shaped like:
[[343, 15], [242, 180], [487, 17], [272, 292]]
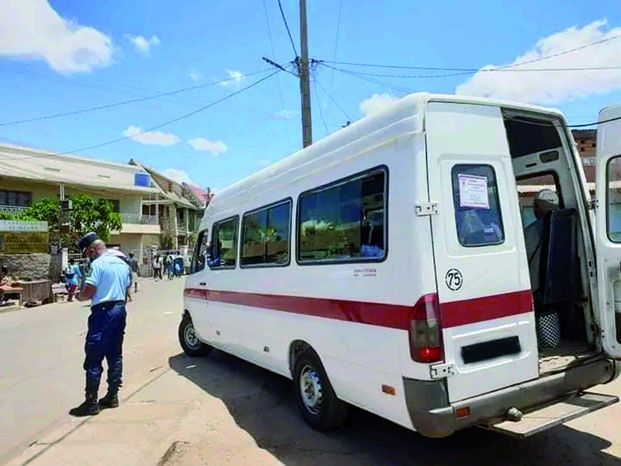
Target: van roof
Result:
[[410, 107]]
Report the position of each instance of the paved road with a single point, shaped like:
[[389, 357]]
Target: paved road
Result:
[[42, 351], [221, 410]]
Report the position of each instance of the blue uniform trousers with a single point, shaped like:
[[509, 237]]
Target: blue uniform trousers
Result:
[[106, 327]]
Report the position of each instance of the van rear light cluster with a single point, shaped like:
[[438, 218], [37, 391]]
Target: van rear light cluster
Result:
[[426, 330]]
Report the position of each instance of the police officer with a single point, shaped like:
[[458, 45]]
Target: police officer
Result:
[[107, 287]]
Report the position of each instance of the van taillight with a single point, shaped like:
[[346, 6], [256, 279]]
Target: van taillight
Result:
[[426, 330]]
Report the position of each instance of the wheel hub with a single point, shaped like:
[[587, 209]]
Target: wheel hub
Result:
[[190, 336], [311, 389]]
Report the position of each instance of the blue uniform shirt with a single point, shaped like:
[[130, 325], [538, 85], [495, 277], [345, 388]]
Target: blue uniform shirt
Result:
[[111, 276]]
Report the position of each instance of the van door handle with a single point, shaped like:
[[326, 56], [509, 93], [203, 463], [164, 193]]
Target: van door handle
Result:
[[203, 283]]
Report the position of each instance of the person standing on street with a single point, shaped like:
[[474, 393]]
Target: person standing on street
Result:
[[157, 268], [133, 264], [107, 287]]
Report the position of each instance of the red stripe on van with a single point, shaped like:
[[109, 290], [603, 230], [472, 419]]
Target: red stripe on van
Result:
[[453, 314], [384, 315], [469, 311]]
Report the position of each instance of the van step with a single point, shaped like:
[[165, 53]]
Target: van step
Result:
[[553, 414]]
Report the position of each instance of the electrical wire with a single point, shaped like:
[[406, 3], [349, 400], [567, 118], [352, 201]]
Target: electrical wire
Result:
[[332, 99], [280, 94], [319, 106], [390, 86], [158, 126], [469, 70], [336, 42], [126, 102], [282, 13]]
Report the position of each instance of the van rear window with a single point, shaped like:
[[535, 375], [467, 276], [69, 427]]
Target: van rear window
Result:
[[477, 210]]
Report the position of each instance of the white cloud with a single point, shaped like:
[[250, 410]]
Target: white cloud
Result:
[[177, 175], [142, 44], [235, 79], [552, 87], [376, 103], [286, 115], [33, 29], [196, 76], [202, 144], [151, 138]]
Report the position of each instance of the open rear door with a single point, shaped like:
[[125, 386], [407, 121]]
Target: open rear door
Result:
[[608, 226]]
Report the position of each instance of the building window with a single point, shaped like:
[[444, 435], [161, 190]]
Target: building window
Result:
[[265, 236], [15, 198], [344, 221]]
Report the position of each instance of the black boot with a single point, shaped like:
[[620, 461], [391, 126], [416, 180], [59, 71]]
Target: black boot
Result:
[[111, 400], [88, 408]]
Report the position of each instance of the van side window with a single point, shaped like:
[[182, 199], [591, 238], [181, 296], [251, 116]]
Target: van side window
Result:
[[344, 221], [613, 199], [224, 244], [477, 210], [201, 251], [265, 236]]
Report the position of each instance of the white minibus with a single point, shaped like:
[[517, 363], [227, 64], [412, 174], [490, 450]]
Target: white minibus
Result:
[[386, 267]]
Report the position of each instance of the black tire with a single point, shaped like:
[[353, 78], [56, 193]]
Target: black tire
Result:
[[318, 404], [190, 343]]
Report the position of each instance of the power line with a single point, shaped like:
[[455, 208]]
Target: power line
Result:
[[565, 52], [280, 93], [336, 43], [161, 125], [393, 87], [474, 70], [282, 13], [320, 109], [499, 68], [269, 34], [126, 102], [332, 99]]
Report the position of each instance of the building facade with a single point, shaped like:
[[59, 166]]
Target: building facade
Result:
[[29, 175], [178, 207]]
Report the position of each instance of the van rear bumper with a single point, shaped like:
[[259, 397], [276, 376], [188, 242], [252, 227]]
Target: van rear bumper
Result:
[[433, 416]]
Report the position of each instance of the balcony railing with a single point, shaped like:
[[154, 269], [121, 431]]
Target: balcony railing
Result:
[[138, 219], [12, 210]]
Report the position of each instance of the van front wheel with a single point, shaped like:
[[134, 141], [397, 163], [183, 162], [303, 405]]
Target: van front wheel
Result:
[[317, 402], [188, 338]]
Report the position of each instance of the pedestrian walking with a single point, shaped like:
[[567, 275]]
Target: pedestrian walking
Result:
[[171, 266], [157, 268], [72, 277], [107, 287]]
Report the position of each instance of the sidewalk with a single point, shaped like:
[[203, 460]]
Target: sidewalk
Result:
[[155, 425]]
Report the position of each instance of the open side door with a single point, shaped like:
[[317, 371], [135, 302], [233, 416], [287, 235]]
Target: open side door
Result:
[[608, 229]]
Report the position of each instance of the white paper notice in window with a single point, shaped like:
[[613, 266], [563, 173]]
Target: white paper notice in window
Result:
[[473, 191]]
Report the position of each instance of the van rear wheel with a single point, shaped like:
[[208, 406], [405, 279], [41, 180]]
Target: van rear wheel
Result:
[[316, 400], [188, 338]]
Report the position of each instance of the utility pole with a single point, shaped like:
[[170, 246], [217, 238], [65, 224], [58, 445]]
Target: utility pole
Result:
[[307, 131]]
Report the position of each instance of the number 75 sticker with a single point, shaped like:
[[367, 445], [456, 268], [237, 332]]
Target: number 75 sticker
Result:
[[453, 279]]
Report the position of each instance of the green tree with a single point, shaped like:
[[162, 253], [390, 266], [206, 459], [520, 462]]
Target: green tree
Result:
[[87, 215]]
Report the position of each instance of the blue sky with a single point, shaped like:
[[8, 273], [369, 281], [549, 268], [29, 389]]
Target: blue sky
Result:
[[61, 56]]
